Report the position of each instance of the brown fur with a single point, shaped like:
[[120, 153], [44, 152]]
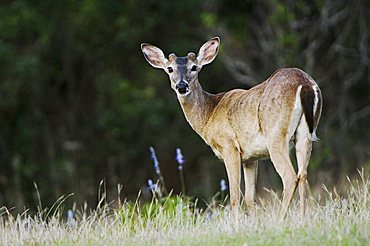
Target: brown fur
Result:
[[242, 126]]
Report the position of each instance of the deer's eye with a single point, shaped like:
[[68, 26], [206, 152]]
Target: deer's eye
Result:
[[170, 69], [194, 68]]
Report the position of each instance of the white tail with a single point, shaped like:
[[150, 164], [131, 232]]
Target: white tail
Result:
[[242, 126]]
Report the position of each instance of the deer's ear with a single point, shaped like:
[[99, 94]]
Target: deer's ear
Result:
[[154, 55], [208, 51]]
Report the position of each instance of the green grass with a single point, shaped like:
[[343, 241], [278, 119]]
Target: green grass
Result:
[[330, 220]]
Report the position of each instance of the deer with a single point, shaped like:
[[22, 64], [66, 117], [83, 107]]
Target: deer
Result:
[[243, 126]]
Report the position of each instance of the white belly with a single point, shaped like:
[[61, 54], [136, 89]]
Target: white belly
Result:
[[256, 149]]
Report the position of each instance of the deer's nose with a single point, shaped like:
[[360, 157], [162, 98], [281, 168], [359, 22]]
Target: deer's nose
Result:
[[182, 87]]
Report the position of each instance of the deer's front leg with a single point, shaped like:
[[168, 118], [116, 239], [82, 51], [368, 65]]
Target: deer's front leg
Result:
[[232, 163], [250, 179]]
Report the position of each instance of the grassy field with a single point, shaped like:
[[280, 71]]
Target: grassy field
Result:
[[330, 220]]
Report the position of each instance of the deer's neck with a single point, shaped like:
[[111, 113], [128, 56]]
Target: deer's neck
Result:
[[198, 107]]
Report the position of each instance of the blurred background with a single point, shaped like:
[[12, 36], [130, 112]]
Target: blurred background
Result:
[[79, 103]]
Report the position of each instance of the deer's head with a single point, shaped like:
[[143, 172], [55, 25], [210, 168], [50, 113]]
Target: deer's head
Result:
[[183, 71]]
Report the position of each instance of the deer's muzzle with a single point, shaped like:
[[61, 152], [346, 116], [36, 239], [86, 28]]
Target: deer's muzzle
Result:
[[182, 87]]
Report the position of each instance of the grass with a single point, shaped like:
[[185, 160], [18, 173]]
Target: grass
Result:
[[330, 220]]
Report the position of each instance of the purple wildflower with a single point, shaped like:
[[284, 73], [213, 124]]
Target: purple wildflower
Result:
[[70, 218], [153, 157], [180, 158], [152, 186], [223, 185]]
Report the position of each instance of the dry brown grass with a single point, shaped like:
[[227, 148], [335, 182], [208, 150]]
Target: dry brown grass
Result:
[[330, 220]]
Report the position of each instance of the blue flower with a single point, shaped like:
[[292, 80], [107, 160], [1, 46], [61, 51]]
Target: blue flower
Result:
[[153, 157], [180, 158], [223, 185], [152, 186], [70, 218]]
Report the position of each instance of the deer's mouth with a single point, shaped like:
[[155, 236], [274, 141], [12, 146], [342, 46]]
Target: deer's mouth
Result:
[[183, 91]]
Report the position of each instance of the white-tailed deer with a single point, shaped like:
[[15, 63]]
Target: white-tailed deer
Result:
[[242, 126]]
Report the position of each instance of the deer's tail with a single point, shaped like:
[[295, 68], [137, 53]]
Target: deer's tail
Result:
[[311, 101]]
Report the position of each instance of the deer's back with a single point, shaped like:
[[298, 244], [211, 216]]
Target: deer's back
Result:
[[281, 101], [234, 123], [244, 119]]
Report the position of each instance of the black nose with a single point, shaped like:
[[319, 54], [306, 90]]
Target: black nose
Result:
[[182, 87]]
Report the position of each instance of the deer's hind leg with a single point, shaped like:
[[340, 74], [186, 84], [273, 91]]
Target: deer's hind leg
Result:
[[303, 146], [279, 154]]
